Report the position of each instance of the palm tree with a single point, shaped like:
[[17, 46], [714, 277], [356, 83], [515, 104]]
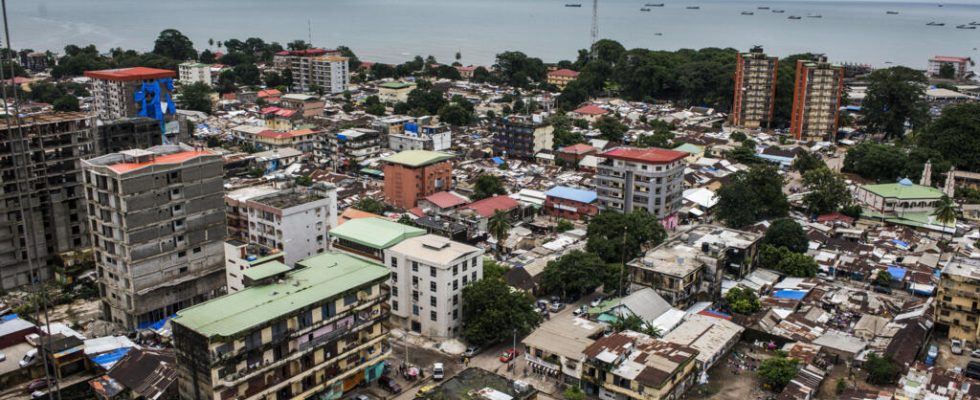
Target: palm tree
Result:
[[210, 42], [945, 213], [499, 225]]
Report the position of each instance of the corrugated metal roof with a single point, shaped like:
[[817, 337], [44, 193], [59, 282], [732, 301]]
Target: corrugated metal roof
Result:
[[375, 232], [573, 194]]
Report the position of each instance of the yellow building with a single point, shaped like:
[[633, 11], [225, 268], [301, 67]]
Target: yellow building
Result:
[[956, 305], [395, 92], [631, 365], [317, 330], [561, 77]]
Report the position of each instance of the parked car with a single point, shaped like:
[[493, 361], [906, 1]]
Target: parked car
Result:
[[472, 351], [389, 384], [438, 372], [581, 310], [508, 355], [973, 369], [932, 355], [29, 358], [956, 346], [975, 354], [557, 306], [38, 384], [596, 301], [425, 390]]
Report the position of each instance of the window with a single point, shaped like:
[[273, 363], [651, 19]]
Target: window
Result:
[[328, 310], [394, 290], [432, 271], [306, 319], [197, 250], [415, 266], [455, 299], [473, 276], [455, 284], [415, 309], [394, 305], [464, 266], [465, 279], [433, 316], [181, 254], [394, 262], [456, 269], [278, 329], [432, 287], [394, 277], [432, 301], [455, 314], [350, 299], [254, 340]]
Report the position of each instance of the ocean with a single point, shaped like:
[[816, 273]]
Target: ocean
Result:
[[393, 31]]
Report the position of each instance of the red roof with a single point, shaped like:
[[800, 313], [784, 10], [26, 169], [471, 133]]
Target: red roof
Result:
[[279, 112], [417, 212], [950, 59], [591, 110], [835, 217], [269, 93], [131, 74], [489, 206], [467, 68], [445, 200], [578, 148], [229, 96], [307, 52], [650, 155], [164, 159], [564, 72]]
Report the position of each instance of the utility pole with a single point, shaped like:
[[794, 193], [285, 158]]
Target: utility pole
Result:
[[595, 28]]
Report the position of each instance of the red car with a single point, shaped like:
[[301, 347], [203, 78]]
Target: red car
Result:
[[508, 355], [39, 384]]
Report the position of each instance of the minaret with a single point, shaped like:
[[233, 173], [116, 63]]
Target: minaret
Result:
[[926, 179], [950, 187]]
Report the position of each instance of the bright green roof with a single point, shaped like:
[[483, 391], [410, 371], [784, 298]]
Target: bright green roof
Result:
[[418, 158], [690, 148], [326, 275], [898, 191], [375, 232], [265, 270], [396, 85]]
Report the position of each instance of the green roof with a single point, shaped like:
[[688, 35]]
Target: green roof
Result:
[[898, 191], [265, 270], [326, 275], [418, 158], [690, 148], [375, 232], [396, 85]]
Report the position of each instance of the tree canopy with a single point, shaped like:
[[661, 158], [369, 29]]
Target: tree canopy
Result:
[[487, 186], [742, 300], [895, 98], [606, 233], [196, 96], [777, 372], [786, 233], [173, 44], [491, 311], [826, 191], [518, 70], [806, 161], [786, 261], [881, 370], [956, 136], [752, 196], [611, 128], [574, 274]]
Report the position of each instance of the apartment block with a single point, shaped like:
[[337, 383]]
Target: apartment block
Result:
[[190, 73], [316, 331], [113, 90], [956, 305], [313, 68], [236, 210], [561, 77], [371, 237], [521, 137], [241, 257], [755, 89], [648, 179], [158, 230], [294, 220], [412, 175], [43, 212], [635, 366], [350, 147], [816, 100], [961, 65], [308, 105], [126, 134], [431, 137], [690, 267], [428, 274]]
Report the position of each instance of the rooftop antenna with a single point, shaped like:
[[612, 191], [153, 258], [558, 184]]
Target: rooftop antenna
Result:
[[309, 31], [595, 27]]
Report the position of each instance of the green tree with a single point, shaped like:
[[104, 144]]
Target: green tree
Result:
[[298, 44], [947, 71], [173, 44], [247, 74], [564, 225], [806, 161], [458, 112], [353, 62], [744, 153], [573, 275], [373, 106], [751, 196], [206, 57], [66, 103], [742, 300], [786, 261], [518, 70], [482, 75], [573, 392], [945, 212], [826, 191], [487, 186], [499, 226], [272, 79], [895, 98], [777, 372], [303, 180], [884, 278], [196, 96], [406, 220], [612, 235], [738, 136], [493, 270], [611, 128], [956, 136], [492, 311], [635, 323], [785, 232], [881, 370], [371, 205], [879, 162]]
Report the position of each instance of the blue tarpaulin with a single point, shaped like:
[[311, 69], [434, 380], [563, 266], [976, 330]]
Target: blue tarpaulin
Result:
[[900, 243], [154, 325], [107, 360], [8, 317], [498, 160], [897, 273], [789, 294], [410, 127]]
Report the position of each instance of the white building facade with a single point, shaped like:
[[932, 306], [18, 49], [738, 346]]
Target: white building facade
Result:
[[295, 221], [428, 274], [191, 73]]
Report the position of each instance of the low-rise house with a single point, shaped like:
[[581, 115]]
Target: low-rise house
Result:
[[301, 139], [571, 203], [631, 365], [308, 106], [589, 112], [395, 92], [561, 77], [558, 345], [241, 256], [712, 337], [572, 155], [276, 159]]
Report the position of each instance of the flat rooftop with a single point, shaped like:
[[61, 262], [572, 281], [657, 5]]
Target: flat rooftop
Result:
[[564, 335], [674, 258], [963, 267], [435, 249], [131, 74], [650, 155], [417, 158], [325, 276], [375, 233], [707, 335], [286, 199], [251, 192], [131, 160]]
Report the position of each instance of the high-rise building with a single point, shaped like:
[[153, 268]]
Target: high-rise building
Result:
[[43, 211], [349, 147], [755, 89], [650, 179], [294, 220], [236, 211], [414, 174], [113, 90], [158, 229], [316, 331], [428, 274], [961, 65], [521, 137], [816, 100], [127, 134], [315, 67], [956, 300], [191, 73]]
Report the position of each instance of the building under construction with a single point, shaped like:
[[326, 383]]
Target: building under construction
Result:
[[43, 205], [158, 229], [125, 134]]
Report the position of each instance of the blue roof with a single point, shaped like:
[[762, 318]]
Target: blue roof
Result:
[[897, 273], [107, 360], [789, 294], [573, 194], [497, 160], [900, 243]]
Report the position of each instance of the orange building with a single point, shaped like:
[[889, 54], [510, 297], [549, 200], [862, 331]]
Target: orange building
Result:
[[816, 100], [414, 174], [755, 89], [561, 77]]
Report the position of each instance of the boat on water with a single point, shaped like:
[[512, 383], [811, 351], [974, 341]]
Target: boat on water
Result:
[[658, 34], [814, 16], [966, 27], [693, 7], [573, 5], [891, 12], [748, 13], [974, 23], [934, 23], [763, 7], [644, 9], [654, 4], [778, 11], [794, 17]]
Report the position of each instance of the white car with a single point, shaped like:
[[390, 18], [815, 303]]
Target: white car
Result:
[[596, 301], [956, 346], [438, 372]]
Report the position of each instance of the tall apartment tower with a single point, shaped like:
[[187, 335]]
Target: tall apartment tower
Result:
[[158, 229], [43, 208], [113, 90], [650, 179], [320, 67], [755, 89], [816, 100]]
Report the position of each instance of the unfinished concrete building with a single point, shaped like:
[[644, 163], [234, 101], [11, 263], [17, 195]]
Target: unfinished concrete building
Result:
[[126, 134], [158, 228], [43, 212]]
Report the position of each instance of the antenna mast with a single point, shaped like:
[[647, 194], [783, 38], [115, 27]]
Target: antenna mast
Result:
[[595, 27]]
